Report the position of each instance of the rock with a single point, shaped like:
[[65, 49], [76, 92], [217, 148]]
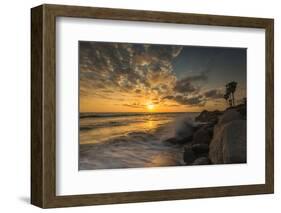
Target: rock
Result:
[[229, 115], [242, 109], [234, 150], [211, 131], [178, 140], [210, 117], [200, 149], [197, 126], [188, 155], [215, 147], [203, 135], [229, 142], [201, 161]]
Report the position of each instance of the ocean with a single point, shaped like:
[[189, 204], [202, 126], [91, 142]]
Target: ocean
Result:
[[131, 140]]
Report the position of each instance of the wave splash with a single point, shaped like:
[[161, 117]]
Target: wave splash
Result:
[[133, 141]]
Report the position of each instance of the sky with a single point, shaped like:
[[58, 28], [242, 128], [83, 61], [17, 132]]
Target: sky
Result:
[[125, 77]]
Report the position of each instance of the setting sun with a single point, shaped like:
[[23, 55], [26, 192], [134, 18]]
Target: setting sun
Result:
[[150, 107]]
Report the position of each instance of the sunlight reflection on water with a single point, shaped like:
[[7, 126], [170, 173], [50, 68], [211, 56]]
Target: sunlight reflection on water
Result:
[[128, 142], [116, 127]]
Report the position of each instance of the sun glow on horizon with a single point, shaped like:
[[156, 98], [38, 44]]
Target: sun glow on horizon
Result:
[[150, 107]]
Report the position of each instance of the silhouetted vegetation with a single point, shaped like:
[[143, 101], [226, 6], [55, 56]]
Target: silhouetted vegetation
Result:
[[230, 89]]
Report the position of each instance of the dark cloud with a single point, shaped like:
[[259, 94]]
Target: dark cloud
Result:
[[201, 77], [196, 100], [191, 101], [137, 91], [186, 85], [214, 94]]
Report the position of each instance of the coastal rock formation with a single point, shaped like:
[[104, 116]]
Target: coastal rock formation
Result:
[[200, 149], [228, 116], [188, 156], [242, 109], [203, 135], [229, 141], [234, 150], [220, 139], [207, 116], [194, 152], [201, 161], [199, 146]]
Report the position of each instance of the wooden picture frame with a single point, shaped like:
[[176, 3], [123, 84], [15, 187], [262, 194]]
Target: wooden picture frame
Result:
[[43, 105]]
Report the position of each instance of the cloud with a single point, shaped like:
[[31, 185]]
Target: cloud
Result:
[[134, 105], [123, 68], [201, 77], [130, 72], [186, 85], [190, 101], [137, 91], [214, 94]]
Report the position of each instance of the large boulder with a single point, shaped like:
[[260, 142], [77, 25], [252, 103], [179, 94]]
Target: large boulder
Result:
[[200, 149], [242, 109], [235, 148], [203, 135], [188, 155], [229, 142], [201, 161], [228, 116], [207, 116], [178, 141]]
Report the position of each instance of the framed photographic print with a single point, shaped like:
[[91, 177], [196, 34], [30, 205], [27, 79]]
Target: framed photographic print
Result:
[[136, 106]]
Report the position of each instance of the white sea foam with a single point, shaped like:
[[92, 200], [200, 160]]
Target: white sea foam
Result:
[[132, 140]]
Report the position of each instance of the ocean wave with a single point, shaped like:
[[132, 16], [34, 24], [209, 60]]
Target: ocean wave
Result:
[[138, 147], [105, 125], [184, 127]]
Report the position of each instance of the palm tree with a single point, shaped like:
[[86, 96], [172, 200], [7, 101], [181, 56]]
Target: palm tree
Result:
[[230, 89]]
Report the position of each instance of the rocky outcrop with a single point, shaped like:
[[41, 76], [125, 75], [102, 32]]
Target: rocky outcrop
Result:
[[229, 116], [234, 149], [242, 109], [229, 140], [178, 141], [196, 154], [196, 150], [207, 116], [203, 135], [201, 161], [219, 139], [188, 155], [200, 149]]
